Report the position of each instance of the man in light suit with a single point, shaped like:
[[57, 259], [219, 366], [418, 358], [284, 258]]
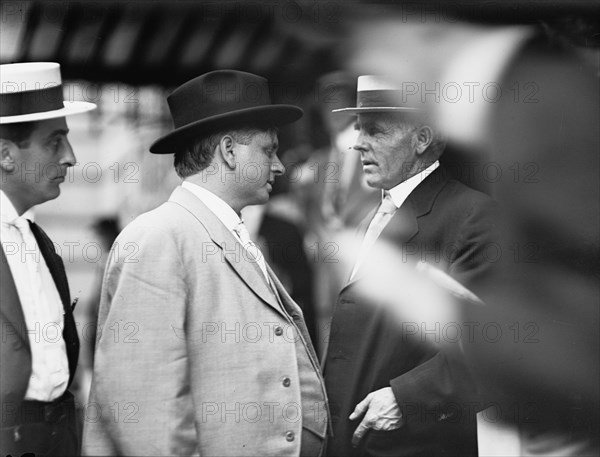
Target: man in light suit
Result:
[[390, 392], [39, 344], [214, 357]]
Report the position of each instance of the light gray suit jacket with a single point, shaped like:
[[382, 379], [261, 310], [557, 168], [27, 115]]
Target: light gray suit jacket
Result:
[[193, 345]]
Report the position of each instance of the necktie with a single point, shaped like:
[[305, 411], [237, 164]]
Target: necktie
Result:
[[30, 254], [384, 213], [251, 248]]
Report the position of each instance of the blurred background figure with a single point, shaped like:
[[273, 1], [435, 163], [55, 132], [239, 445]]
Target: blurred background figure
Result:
[[279, 230], [105, 231], [331, 190]]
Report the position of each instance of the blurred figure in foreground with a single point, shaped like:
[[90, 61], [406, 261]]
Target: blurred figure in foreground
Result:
[[544, 371], [40, 346], [390, 392]]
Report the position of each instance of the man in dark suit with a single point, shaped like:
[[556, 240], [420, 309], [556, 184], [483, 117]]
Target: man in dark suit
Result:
[[390, 393], [39, 345]]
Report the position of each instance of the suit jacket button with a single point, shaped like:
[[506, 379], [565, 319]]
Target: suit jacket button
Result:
[[278, 331], [286, 382], [289, 436]]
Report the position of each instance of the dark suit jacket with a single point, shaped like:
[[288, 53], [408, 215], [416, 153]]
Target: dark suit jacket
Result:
[[14, 347], [449, 224]]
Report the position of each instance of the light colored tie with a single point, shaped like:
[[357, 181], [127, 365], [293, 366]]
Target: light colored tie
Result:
[[29, 250], [251, 248], [384, 213]]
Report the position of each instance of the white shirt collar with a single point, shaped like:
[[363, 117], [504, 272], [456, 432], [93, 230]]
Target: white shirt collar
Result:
[[217, 205], [8, 213], [401, 192]]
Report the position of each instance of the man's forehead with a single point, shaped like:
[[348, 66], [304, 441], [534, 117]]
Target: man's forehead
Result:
[[50, 126], [267, 139], [372, 118], [385, 119]]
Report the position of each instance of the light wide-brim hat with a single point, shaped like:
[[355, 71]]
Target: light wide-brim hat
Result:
[[218, 100], [33, 91], [378, 94]]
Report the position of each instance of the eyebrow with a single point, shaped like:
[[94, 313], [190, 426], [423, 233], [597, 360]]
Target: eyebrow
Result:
[[58, 132], [274, 145]]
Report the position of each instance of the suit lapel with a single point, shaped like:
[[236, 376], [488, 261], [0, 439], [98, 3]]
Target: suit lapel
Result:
[[249, 272], [404, 225], [10, 305]]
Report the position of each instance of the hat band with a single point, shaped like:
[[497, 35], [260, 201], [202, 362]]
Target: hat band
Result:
[[31, 101], [378, 98]]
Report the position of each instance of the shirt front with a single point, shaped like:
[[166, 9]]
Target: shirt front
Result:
[[41, 304]]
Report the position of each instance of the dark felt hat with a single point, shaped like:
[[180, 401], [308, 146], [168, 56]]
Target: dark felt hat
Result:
[[217, 100]]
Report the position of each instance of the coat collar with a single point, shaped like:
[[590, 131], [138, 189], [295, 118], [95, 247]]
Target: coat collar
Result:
[[404, 226], [232, 249]]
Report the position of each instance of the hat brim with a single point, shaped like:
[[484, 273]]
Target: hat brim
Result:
[[375, 109], [69, 109], [275, 115]]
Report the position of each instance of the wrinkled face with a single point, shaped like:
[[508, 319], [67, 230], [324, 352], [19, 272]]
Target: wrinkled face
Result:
[[258, 166], [40, 165], [387, 149]]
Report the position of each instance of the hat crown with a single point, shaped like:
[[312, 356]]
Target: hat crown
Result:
[[376, 82], [217, 93], [220, 99], [23, 77]]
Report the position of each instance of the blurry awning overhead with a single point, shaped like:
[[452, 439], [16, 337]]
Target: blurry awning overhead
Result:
[[288, 41], [166, 42]]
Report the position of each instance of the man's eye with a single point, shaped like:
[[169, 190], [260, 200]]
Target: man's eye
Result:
[[55, 143]]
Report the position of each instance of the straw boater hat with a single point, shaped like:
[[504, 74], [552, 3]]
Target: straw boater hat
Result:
[[33, 92], [376, 94], [220, 99]]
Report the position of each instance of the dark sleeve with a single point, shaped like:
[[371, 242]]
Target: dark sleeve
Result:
[[440, 389]]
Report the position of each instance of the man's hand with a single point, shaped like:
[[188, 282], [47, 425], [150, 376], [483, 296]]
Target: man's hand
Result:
[[382, 413]]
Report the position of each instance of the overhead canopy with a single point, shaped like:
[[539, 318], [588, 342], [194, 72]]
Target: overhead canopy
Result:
[[168, 42]]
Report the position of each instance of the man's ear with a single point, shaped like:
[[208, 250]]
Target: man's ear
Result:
[[424, 138], [226, 149], [7, 159]]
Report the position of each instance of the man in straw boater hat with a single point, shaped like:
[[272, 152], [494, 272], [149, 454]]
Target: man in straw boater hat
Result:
[[219, 362], [390, 392], [39, 346]]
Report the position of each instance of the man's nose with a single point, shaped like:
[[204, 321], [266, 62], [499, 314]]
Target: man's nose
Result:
[[361, 144], [68, 156], [277, 167]]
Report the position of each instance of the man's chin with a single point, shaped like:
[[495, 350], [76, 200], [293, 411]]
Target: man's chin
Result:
[[373, 182]]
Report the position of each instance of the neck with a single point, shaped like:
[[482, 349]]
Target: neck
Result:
[[418, 168], [214, 184], [19, 206]]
